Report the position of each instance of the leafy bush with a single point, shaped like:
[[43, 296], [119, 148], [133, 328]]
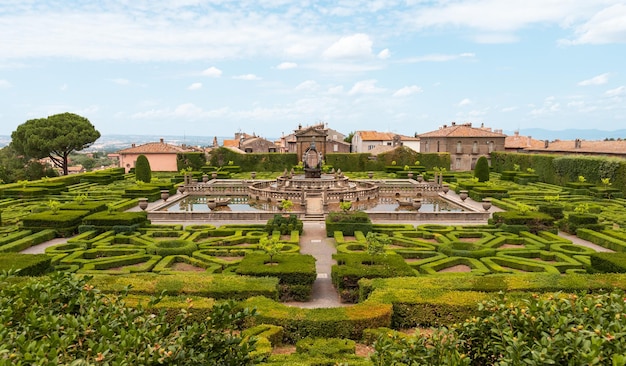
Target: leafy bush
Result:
[[481, 169], [609, 262], [25, 264], [284, 224], [172, 247], [348, 223], [32, 310], [561, 329], [143, 173]]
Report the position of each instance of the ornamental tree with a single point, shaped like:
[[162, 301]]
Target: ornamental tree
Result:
[[481, 170], [55, 137], [143, 173]]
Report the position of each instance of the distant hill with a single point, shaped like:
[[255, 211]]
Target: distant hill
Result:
[[570, 134], [118, 142]]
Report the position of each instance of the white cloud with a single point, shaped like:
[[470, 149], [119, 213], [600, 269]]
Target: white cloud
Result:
[[121, 81], [464, 102], [440, 57], [615, 92], [365, 87], [63, 87], [384, 54], [5, 84], [287, 65], [606, 26], [335, 90], [212, 72], [508, 109], [407, 90], [596, 80], [195, 86], [550, 105], [246, 77], [350, 47], [308, 85], [495, 38]]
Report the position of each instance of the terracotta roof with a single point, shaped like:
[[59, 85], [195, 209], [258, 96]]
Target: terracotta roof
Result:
[[375, 135], [462, 130], [230, 143], [617, 147], [154, 148], [522, 142]]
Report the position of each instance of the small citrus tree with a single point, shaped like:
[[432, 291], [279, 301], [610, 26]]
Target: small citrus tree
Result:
[[271, 246]]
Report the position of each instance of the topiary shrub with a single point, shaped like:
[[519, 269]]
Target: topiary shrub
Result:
[[143, 173], [481, 170]]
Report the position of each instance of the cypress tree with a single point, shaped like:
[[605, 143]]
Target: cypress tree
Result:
[[481, 170], [142, 169]]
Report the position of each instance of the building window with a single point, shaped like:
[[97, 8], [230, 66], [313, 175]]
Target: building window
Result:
[[457, 164], [370, 147], [459, 147], [438, 146], [490, 146], [427, 146], [335, 147], [475, 147], [473, 163]]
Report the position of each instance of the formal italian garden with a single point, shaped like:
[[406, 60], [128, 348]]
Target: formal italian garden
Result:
[[518, 289]]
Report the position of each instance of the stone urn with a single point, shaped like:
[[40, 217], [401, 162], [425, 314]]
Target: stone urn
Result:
[[253, 175], [445, 188], [205, 178], [486, 204], [181, 189], [463, 195], [410, 175], [370, 175], [143, 203], [417, 203], [419, 178], [165, 194], [214, 175]]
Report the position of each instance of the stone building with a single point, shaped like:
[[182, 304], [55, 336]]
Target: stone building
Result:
[[326, 140], [464, 143], [251, 143]]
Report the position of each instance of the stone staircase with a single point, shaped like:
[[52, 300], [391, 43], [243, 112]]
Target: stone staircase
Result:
[[314, 209]]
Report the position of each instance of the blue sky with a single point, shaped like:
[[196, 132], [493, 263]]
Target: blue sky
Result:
[[213, 68]]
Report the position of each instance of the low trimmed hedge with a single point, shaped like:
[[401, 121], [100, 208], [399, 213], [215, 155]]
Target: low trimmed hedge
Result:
[[350, 268], [348, 223], [25, 264], [172, 247], [535, 221], [602, 240], [341, 322], [64, 222], [295, 272], [29, 241], [609, 262], [216, 286]]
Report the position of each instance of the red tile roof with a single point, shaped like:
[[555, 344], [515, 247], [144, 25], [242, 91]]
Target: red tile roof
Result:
[[154, 148], [522, 142], [617, 147], [462, 130], [383, 136]]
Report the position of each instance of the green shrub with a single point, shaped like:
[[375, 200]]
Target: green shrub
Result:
[[325, 347], [561, 329], [61, 319], [285, 225], [535, 221], [25, 264], [143, 173], [481, 169], [296, 272], [172, 247], [609, 262], [348, 223]]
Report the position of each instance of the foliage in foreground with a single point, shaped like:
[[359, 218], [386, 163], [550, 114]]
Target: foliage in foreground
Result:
[[562, 330], [63, 320]]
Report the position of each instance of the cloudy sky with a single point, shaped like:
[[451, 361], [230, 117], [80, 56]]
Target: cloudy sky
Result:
[[215, 67]]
